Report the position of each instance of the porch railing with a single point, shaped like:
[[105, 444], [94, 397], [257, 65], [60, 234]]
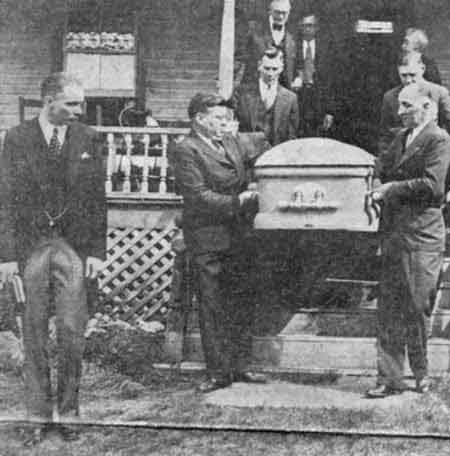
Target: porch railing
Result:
[[137, 163]]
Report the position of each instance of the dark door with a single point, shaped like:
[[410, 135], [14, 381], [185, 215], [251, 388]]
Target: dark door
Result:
[[364, 64]]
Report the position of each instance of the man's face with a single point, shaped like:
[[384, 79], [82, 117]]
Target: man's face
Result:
[[409, 44], [411, 110], [270, 69], [309, 28], [409, 74], [215, 121], [66, 106], [279, 10]]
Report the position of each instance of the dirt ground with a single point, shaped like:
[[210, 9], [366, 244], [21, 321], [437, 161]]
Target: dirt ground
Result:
[[170, 397]]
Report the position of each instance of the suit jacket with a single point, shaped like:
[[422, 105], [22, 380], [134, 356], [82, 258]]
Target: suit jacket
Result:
[[390, 122], [250, 50], [285, 115], [431, 73], [418, 172], [26, 190], [210, 185]]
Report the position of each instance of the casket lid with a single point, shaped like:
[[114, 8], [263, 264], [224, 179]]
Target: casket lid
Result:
[[314, 152]]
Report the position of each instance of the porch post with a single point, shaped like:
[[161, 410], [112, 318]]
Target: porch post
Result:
[[226, 63]]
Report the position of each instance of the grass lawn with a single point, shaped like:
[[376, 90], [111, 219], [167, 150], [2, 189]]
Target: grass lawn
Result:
[[167, 396]]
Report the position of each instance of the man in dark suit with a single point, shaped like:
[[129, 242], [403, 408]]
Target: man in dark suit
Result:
[[259, 37], [267, 106], [411, 190], [311, 81], [54, 233], [410, 70], [211, 169]]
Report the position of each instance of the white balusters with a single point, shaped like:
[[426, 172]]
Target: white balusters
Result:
[[111, 162], [145, 171], [163, 164], [126, 163]]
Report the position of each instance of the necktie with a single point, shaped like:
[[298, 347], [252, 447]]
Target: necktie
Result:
[[54, 146], [267, 97], [309, 65]]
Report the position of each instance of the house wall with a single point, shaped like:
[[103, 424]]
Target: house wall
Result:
[[26, 50], [180, 45]]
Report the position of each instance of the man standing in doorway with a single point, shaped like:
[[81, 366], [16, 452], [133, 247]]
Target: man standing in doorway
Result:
[[54, 233], [311, 80]]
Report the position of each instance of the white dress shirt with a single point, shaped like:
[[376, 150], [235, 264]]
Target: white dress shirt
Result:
[[277, 35], [313, 48], [414, 133], [47, 129], [268, 94]]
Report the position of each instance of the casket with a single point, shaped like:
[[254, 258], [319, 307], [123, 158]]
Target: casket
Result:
[[315, 183]]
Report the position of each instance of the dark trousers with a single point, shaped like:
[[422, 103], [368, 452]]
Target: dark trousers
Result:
[[408, 283], [54, 285], [223, 286]]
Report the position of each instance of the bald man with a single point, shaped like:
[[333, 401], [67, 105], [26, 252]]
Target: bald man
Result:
[[411, 70], [410, 187]]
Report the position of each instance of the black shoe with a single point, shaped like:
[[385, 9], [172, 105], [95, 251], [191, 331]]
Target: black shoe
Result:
[[249, 377], [424, 385], [213, 384], [382, 391]]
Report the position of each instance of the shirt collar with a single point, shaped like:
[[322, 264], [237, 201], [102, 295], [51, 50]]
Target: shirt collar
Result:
[[263, 87], [47, 128], [313, 45], [283, 27], [415, 131]]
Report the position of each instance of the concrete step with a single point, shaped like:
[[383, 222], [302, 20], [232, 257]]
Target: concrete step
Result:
[[306, 353]]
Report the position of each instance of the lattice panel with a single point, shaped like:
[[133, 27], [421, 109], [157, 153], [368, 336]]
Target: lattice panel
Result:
[[138, 273]]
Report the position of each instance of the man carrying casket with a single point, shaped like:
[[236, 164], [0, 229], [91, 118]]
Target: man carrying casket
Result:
[[412, 173], [211, 169]]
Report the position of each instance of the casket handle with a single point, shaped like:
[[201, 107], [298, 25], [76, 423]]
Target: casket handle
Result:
[[329, 206]]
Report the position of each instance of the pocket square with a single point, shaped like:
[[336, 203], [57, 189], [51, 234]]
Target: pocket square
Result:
[[85, 156]]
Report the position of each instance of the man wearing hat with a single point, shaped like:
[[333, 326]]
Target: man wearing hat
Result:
[[54, 232], [211, 169]]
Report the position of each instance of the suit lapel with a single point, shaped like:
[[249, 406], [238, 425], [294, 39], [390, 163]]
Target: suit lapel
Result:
[[415, 146], [231, 149], [278, 108], [208, 150], [254, 99]]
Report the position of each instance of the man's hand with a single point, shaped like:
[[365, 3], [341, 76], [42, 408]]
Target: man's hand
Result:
[[7, 270], [93, 267], [247, 196], [297, 83], [328, 121], [381, 193]]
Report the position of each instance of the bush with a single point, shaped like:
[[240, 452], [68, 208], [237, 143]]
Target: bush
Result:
[[127, 349]]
